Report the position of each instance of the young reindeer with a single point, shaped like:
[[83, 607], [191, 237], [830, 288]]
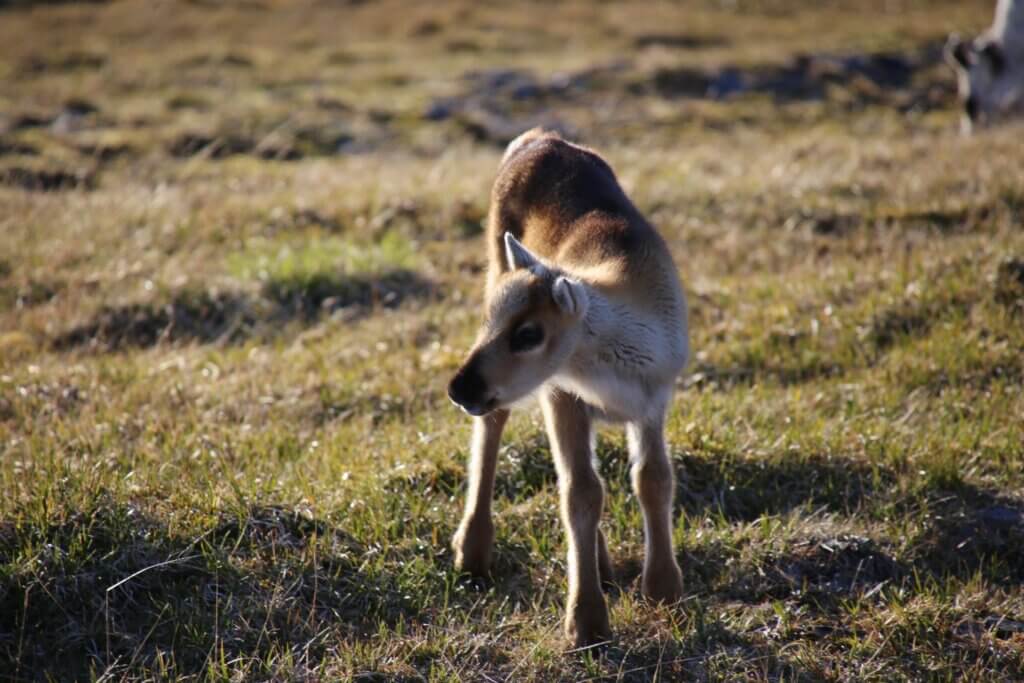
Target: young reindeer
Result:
[[583, 308]]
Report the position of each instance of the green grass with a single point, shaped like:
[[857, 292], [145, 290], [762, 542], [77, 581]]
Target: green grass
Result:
[[233, 288]]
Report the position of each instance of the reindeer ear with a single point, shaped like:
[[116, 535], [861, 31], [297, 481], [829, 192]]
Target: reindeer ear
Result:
[[957, 52], [516, 255], [993, 54], [570, 296]]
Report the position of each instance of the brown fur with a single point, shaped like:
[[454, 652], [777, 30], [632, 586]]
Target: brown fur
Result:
[[564, 203]]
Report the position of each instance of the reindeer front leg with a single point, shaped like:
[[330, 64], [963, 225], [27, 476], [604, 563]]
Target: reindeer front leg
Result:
[[569, 428], [474, 539]]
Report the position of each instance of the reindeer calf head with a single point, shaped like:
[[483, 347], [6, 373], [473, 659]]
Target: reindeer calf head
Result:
[[533, 323], [988, 86]]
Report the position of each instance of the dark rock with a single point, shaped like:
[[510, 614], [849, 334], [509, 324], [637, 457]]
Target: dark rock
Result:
[[804, 77], [440, 110], [493, 80], [526, 91], [728, 82], [884, 69]]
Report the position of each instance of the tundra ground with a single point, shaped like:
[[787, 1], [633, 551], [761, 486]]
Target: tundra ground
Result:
[[240, 256]]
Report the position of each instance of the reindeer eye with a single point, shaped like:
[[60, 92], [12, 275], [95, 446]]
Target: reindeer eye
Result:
[[525, 337]]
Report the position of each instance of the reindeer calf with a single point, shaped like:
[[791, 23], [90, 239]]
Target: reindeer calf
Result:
[[583, 308], [990, 69]]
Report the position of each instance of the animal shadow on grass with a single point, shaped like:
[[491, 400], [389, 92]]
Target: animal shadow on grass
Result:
[[638, 658], [744, 489], [968, 531], [509, 573], [740, 490], [112, 587], [736, 489], [206, 317], [973, 531]]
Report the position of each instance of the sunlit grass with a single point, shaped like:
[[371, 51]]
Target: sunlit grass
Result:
[[317, 256], [225, 447]]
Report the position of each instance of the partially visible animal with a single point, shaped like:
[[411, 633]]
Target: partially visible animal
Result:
[[990, 68], [584, 310]]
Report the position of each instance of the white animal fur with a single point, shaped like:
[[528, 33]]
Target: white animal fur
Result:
[[990, 68], [627, 361]]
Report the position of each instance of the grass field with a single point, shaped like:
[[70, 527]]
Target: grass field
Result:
[[240, 257]]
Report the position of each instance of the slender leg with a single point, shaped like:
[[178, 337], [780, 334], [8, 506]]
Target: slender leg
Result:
[[654, 484], [582, 496], [604, 561], [475, 536]]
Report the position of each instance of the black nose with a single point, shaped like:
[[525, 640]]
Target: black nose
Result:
[[467, 388]]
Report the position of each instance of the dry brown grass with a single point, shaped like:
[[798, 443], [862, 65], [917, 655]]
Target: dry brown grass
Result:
[[240, 257]]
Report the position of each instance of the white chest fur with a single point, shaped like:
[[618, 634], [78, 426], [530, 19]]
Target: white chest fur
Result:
[[627, 363]]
